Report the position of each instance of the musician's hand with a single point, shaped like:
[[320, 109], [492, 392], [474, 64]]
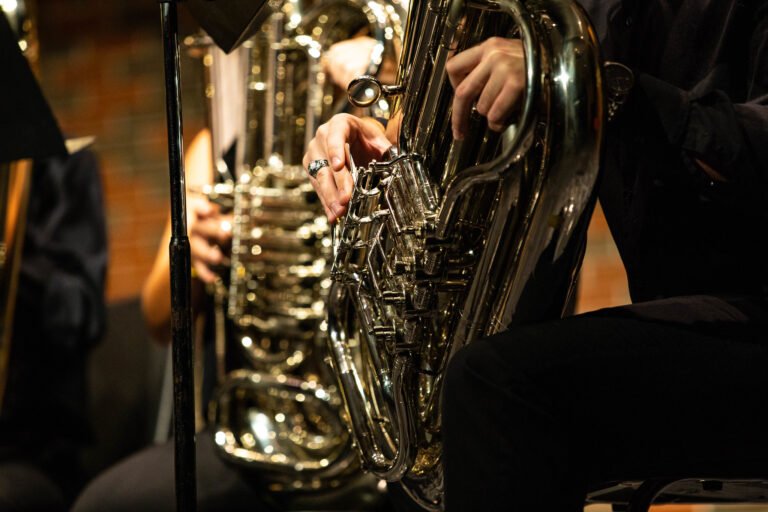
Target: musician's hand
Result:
[[367, 141], [210, 234], [491, 74], [347, 60]]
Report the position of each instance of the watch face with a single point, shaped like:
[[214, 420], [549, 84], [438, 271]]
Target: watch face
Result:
[[618, 77], [619, 80]]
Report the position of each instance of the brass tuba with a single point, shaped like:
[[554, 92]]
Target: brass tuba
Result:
[[450, 241], [277, 407]]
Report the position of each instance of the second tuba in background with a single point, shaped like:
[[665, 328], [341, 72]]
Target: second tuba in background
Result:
[[276, 406]]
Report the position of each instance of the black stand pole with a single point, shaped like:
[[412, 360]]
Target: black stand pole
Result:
[[181, 300]]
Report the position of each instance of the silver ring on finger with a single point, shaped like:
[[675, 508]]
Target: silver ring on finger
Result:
[[315, 166]]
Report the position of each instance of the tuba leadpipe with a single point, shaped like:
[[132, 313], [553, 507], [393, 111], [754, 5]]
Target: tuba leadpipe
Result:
[[450, 241]]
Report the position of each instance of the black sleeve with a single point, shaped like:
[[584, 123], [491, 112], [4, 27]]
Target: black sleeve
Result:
[[730, 136], [63, 267]]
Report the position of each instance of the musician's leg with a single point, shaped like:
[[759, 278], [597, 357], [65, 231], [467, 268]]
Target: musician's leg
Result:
[[145, 481], [535, 415]]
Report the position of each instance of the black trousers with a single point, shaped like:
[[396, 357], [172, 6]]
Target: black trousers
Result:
[[537, 415], [144, 482], [25, 487]]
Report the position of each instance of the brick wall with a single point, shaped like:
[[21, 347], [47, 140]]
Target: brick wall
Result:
[[102, 70], [603, 282], [101, 67]]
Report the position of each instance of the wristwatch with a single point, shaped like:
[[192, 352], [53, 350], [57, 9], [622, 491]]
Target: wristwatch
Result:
[[619, 80]]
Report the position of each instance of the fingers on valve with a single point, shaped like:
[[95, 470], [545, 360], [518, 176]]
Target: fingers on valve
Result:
[[203, 251], [344, 185], [340, 132], [314, 153], [214, 229], [465, 96], [461, 64], [325, 185], [203, 272], [204, 256], [494, 85], [505, 103]]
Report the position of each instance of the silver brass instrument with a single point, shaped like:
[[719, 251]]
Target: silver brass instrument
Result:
[[450, 241], [277, 407]]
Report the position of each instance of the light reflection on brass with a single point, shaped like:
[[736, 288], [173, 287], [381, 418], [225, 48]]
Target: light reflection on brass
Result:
[[441, 241]]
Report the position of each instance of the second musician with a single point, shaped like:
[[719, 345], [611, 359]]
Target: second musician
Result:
[[261, 414]]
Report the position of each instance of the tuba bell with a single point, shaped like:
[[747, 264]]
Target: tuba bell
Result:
[[276, 406], [449, 241]]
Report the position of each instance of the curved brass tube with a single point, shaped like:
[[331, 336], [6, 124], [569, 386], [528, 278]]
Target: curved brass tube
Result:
[[447, 242]]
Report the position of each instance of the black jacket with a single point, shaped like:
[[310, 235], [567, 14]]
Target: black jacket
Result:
[[701, 92]]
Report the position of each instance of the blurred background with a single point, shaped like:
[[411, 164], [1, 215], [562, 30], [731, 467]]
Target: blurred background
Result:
[[101, 68]]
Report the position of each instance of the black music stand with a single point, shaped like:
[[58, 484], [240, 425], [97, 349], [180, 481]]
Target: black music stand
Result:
[[230, 22], [28, 128]]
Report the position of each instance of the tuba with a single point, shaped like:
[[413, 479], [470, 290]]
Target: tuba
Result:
[[276, 406], [450, 241]]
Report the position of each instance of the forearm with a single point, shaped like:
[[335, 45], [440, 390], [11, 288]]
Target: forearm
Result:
[[721, 135], [156, 295], [721, 124], [156, 292]]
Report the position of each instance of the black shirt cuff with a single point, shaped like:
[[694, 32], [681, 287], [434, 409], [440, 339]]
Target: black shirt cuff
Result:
[[704, 127]]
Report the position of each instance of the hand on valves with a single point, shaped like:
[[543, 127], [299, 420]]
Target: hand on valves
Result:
[[489, 76], [210, 233], [367, 141], [209, 239]]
